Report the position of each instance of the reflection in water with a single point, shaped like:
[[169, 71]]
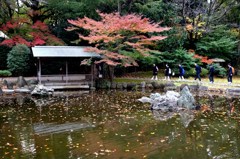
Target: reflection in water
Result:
[[163, 116], [186, 116], [112, 124], [54, 128], [27, 145]]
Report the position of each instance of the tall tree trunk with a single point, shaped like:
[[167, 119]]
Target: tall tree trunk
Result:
[[111, 73], [119, 7]]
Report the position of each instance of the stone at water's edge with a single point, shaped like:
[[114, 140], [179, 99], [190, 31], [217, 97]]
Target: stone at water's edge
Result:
[[162, 102], [32, 82], [41, 90], [8, 84], [186, 99], [166, 106], [1, 92], [22, 90], [171, 100], [21, 82], [233, 90]]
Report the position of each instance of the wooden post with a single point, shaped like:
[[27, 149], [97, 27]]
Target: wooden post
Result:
[[39, 71], [66, 72], [92, 72]]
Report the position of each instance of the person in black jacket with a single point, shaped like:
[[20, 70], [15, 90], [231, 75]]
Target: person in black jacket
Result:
[[230, 74], [198, 72], [211, 73], [155, 72], [167, 73]]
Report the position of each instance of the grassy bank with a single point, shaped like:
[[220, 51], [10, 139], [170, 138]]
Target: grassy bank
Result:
[[138, 77]]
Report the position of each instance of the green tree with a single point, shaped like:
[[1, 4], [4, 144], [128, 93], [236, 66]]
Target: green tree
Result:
[[179, 56], [7, 10], [69, 9], [159, 10], [177, 38], [18, 60], [198, 16], [221, 42]]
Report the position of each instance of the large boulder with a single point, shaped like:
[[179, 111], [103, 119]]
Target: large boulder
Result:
[[41, 90], [186, 99], [172, 103], [32, 82], [21, 82], [165, 102], [171, 100], [8, 84]]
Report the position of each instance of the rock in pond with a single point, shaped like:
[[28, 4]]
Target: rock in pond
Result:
[[41, 90], [171, 100]]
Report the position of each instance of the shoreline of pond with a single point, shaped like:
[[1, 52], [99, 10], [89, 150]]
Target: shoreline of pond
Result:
[[148, 85]]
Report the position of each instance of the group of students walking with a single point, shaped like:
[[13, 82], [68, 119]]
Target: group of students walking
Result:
[[198, 69]]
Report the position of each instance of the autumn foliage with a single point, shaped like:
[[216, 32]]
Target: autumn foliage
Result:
[[203, 59], [115, 32], [20, 31]]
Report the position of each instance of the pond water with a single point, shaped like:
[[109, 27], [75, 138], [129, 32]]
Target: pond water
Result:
[[114, 125]]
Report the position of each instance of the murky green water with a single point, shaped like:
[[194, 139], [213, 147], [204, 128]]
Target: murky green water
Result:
[[114, 125]]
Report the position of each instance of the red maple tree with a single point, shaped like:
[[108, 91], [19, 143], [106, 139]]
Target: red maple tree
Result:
[[115, 32], [20, 31], [203, 59]]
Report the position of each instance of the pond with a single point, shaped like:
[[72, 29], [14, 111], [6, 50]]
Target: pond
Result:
[[114, 125]]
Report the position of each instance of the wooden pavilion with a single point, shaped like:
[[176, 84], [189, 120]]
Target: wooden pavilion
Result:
[[68, 54]]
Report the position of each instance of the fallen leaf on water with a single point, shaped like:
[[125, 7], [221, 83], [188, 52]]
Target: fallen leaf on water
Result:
[[108, 151]]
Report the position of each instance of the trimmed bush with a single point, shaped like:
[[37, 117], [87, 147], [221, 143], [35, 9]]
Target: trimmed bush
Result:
[[5, 73], [18, 60]]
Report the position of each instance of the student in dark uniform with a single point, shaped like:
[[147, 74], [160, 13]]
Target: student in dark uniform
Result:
[[230, 74], [181, 72], [198, 72], [167, 72], [155, 72], [211, 73]]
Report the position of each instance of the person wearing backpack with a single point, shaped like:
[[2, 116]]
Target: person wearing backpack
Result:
[[181, 72], [167, 73], [230, 74], [198, 70], [211, 73]]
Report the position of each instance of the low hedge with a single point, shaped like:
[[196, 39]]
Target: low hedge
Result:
[[5, 73]]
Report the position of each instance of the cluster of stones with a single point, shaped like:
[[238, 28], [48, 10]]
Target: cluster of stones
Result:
[[171, 100], [147, 85], [23, 86]]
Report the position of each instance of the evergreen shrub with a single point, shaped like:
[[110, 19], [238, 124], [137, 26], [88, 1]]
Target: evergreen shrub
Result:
[[218, 70], [192, 72], [5, 73], [18, 60]]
